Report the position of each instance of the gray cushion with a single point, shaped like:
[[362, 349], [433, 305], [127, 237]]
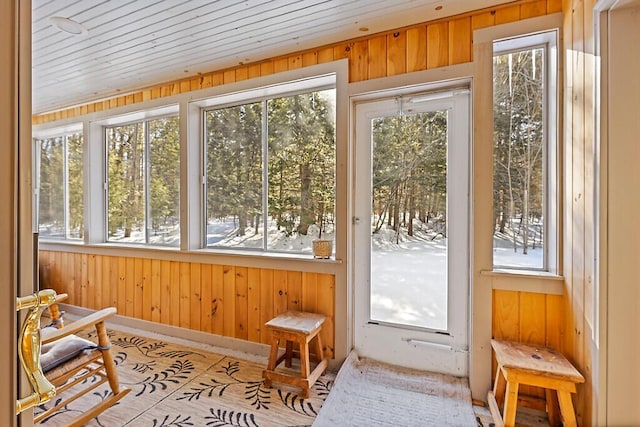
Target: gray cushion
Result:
[[56, 353]]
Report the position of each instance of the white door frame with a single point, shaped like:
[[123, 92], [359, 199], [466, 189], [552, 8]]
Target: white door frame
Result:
[[16, 249], [615, 369], [416, 347]]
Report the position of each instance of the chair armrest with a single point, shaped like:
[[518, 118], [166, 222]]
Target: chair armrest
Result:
[[61, 297], [80, 324]]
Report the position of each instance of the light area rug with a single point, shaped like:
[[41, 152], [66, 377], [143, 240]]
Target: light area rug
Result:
[[370, 393], [176, 385]]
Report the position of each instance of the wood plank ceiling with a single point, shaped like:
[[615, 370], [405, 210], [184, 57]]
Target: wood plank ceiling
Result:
[[131, 44]]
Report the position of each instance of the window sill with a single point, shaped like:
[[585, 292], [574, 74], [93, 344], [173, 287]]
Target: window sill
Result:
[[525, 281], [282, 261]]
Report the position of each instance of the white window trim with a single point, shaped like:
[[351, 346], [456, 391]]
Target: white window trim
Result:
[[542, 31], [322, 76], [96, 217], [64, 132], [259, 95], [482, 282], [129, 119]]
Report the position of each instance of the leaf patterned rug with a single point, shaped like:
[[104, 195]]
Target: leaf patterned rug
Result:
[[173, 385]]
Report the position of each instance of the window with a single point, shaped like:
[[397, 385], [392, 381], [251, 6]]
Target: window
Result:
[[270, 172], [143, 182], [60, 196], [524, 152]]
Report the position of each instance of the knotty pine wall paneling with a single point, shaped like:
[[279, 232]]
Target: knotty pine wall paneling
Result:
[[579, 140], [227, 300]]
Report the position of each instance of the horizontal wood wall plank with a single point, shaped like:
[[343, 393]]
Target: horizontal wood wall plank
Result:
[[226, 300]]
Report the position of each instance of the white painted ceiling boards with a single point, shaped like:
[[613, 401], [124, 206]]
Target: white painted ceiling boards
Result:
[[131, 44]]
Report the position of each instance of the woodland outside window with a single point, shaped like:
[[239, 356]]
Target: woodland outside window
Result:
[[270, 172], [525, 176], [143, 182], [60, 189]]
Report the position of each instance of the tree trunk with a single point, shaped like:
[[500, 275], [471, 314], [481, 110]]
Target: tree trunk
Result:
[[411, 210], [306, 201], [509, 145], [242, 221], [525, 221], [503, 216]]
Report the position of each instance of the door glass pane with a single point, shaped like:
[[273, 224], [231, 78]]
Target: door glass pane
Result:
[[409, 220]]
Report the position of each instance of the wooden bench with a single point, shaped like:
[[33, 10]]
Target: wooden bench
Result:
[[295, 327], [537, 366]]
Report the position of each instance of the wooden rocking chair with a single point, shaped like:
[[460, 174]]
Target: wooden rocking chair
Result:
[[56, 360]]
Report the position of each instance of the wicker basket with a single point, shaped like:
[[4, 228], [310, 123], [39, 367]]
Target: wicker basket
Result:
[[322, 248]]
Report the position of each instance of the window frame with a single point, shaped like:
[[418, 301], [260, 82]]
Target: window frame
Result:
[[38, 137], [144, 118], [263, 95], [548, 39]]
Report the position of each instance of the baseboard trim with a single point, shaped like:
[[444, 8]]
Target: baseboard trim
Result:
[[247, 350]]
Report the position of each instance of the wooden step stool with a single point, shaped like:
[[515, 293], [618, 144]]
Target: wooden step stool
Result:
[[295, 327], [537, 366]]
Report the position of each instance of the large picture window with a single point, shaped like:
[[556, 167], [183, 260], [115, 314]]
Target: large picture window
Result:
[[143, 177], [270, 173], [524, 174], [60, 196]]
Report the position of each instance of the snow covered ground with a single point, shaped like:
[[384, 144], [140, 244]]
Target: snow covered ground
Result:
[[408, 279], [408, 282]]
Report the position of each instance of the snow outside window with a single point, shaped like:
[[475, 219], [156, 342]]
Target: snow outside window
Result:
[[270, 173], [524, 175], [60, 189]]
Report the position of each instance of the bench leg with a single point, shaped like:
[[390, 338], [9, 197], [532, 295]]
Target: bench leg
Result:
[[552, 407], [304, 360], [289, 352], [273, 359], [510, 404], [319, 352], [499, 387], [566, 409]]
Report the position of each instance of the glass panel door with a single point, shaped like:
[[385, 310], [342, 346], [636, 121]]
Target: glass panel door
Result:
[[411, 233]]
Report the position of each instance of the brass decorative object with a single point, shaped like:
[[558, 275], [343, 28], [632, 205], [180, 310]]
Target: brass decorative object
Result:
[[29, 349]]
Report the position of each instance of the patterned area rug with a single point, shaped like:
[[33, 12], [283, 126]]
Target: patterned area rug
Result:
[[370, 393], [173, 385]]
